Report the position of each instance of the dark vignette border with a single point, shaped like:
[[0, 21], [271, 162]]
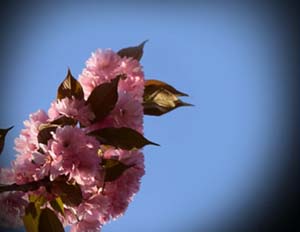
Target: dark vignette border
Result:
[[285, 213]]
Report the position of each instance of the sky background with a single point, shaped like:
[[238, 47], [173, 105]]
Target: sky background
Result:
[[215, 161]]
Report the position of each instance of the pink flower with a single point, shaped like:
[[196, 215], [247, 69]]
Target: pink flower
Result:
[[134, 83], [121, 191], [101, 67], [7, 176], [26, 145], [74, 154], [128, 112], [105, 65], [72, 108], [12, 209], [42, 162], [88, 216], [27, 141], [90, 213]]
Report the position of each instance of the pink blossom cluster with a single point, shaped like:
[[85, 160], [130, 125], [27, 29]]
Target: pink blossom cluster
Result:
[[72, 153]]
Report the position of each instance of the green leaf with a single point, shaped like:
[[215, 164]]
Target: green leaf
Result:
[[161, 101], [123, 137], [64, 121], [32, 212], [58, 205], [3, 133], [31, 217], [104, 98], [70, 87], [45, 132], [153, 85], [38, 200], [113, 169], [32, 209], [49, 222], [133, 52], [70, 194]]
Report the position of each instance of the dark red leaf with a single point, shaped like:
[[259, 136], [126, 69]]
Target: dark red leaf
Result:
[[3, 133], [45, 133], [133, 52], [104, 98], [64, 121], [49, 222], [153, 85], [161, 101], [124, 138], [69, 193], [113, 169], [70, 87]]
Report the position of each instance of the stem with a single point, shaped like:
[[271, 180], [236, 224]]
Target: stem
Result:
[[31, 186]]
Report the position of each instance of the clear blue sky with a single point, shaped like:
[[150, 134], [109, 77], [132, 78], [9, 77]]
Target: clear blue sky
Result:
[[214, 158]]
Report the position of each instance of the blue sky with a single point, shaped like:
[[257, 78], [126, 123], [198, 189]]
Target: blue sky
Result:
[[214, 158]]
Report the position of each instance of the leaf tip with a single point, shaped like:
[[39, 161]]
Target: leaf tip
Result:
[[153, 143], [8, 129], [181, 103], [69, 72], [184, 94], [143, 43]]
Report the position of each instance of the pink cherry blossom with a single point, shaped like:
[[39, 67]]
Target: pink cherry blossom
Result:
[[7, 176], [91, 212], [27, 144], [101, 67], [128, 112], [121, 191], [74, 154], [105, 65], [72, 108], [27, 141], [42, 162], [134, 83]]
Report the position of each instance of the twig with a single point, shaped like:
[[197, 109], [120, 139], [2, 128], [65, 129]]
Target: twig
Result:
[[31, 186]]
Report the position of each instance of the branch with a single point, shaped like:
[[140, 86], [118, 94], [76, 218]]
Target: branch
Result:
[[31, 186]]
